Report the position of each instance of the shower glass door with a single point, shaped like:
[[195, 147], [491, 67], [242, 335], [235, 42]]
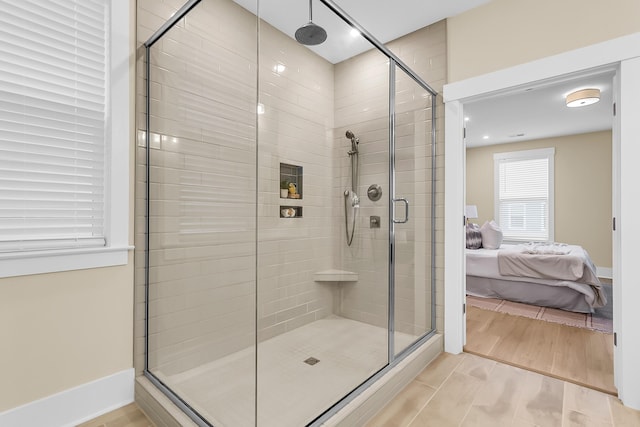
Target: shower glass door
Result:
[[201, 147], [412, 225]]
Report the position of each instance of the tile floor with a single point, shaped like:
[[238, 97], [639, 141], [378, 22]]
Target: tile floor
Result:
[[290, 392], [467, 390]]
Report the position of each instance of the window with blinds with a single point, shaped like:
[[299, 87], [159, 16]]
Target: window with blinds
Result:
[[524, 194], [53, 123]]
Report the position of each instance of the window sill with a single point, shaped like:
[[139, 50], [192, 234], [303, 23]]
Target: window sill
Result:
[[39, 262]]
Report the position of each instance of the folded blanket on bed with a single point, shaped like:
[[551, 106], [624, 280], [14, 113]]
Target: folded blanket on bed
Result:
[[546, 248], [543, 265], [540, 266]]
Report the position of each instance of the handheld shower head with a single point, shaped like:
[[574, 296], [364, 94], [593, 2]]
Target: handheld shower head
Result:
[[354, 143], [352, 137], [350, 196]]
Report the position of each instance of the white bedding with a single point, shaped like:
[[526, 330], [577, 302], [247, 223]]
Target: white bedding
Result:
[[484, 263]]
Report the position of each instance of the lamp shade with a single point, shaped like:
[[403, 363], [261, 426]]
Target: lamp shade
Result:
[[471, 211], [583, 97]]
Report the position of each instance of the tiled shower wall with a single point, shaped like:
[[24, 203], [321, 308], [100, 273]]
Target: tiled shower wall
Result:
[[203, 141], [202, 186], [295, 129], [362, 106], [205, 282], [425, 52]]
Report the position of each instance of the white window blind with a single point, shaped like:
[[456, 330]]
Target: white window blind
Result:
[[524, 194], [53, 123]]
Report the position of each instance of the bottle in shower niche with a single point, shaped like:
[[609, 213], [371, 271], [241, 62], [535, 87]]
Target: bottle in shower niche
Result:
[[284, 189]]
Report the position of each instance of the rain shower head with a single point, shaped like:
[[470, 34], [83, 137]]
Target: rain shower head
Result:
[[310, 34]]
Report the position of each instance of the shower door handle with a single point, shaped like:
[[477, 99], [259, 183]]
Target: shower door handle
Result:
[[406, 210]]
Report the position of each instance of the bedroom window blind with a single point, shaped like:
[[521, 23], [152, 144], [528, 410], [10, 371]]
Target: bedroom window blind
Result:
[[53, 123], [524, 194]]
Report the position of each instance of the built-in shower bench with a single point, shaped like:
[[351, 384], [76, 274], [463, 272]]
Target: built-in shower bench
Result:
[[335, 276]]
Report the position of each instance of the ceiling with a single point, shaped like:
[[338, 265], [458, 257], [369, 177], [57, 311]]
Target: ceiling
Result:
[[533, 112], [386, 20], [537, 112]]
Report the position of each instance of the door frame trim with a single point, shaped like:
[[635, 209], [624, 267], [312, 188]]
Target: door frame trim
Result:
[[621, 54]]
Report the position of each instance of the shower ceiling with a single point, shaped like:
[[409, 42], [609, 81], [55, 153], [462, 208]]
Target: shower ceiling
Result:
[[386, 20]]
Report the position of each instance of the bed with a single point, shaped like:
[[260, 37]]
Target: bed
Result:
[[558, 276]]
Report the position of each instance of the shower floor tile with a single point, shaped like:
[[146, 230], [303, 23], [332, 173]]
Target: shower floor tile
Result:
[[290, 391]]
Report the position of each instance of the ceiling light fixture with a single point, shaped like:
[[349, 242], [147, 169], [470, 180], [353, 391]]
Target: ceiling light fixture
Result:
[[583, 97]]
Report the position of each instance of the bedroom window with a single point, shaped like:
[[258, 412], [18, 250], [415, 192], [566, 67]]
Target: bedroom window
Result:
[[524, 194], [64, 135]]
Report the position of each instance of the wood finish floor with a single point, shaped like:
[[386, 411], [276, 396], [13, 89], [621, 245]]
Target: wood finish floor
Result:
[[468, 390], [573, 354], [127, 416]]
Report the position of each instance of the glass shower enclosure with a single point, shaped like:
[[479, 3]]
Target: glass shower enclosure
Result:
[[289, 212]]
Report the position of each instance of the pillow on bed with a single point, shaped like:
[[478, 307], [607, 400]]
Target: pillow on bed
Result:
[[474, 237], [491, 235]]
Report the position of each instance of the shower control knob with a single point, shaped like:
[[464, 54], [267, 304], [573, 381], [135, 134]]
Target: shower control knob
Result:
[[374, 192]]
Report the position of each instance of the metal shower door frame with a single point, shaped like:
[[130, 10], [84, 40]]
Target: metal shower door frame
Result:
[[393, 359]]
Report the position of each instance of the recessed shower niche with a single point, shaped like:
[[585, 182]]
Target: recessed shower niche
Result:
[[290, 211], [290, 189], [291, 179]]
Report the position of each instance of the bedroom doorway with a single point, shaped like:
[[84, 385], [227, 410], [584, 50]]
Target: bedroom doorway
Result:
[[622, 55], [527, 322]]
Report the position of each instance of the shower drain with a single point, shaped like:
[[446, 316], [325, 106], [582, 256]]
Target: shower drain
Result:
[[311, 361]]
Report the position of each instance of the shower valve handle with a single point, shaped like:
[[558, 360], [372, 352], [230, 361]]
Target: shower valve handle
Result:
[[374, 192]]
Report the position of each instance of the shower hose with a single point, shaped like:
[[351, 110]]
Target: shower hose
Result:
[[352, 196]]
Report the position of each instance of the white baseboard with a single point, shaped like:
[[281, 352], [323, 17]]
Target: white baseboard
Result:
[[604, 272], [76, 405]]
